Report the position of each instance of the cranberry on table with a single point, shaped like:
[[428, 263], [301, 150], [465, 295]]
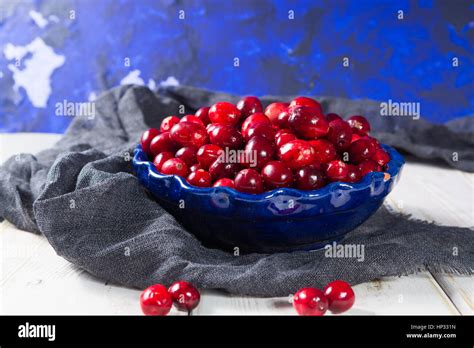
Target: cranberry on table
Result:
[[361, 150], [174, 166], [185, 296], [308, 122], [274, 109], [324, 151], [309, 178], [262, 129], [305, 101], [310, 302], [147, 137], [155, 300], [200, 178], [353, 174], [225, 135], [340, 134], [189, 134], [276, 174], [332, 116], [192, 118], [187, 154], [161, 158], [249, 105], [359, 124], [368, 166], [340, 296], [248, 181], [252, 120], [283, 136], [336, 170], [219, 169], [203, 115], [168, 123], [257, 152], [224, 113], [381, 157], [225, 182], [207, 154], [296, 154], [162, 142]]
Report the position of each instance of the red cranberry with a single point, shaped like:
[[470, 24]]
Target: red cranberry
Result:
[[336, 170], [262, 129], [203, 115], [332, 116], [155, 300], [274, 109], [249, 105], [161, 158], [200, 178], [315, 165], [283, 136], [225, 182], [276, 174], [309, 178], [210, 127], [195, 167], [185, 295], [381, 157], [340, 134], [224, 113], [310, 301], [373, 141], [248, 181], [258, 151], [359, 124], [361, 150], [192, 118], [305, 101], [162, 142], [219, 169], [253, 119], [207, 154], [168, 123], [355, 137], [282, 120], [368, 166], [340, 296], [296, 154], [324, 151], [308, 122], [353, 174], [174, 166], [146, 139], [225, 135], [187, 154], [189, 134]]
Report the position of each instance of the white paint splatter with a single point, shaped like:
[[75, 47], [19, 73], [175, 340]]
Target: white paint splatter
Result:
[[35, 78], [53, 18], [92, 96], [38, 18], [151, 84], [133, 78], [170, 81]]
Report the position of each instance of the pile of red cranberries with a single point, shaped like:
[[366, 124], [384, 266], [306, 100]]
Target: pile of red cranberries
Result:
[[253, 150], [337, 296]]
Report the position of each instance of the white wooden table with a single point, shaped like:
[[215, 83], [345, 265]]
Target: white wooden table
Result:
[[29, 267]]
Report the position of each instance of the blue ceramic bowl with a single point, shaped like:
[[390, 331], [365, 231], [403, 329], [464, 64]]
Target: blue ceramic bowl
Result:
[[274, 221]]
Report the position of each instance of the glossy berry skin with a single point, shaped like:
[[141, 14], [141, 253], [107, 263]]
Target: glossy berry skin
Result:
[[355, 137], [276, 174], [146, 139], [187, 154], [305, 101], [252, 120], [248, 181], [274, 109], [381, 157], [162, 142], [249, 105], [340, 296], [192, 118], [161, 158], [284, 136], [324, 151], [175, 166], [203, 115], [353, 174], [368, 166], [195, 167], [168, 123], [336, 170], [155, 300], [261, 129], [332, 116], [361, 150], [308, 123], [282, 120], [207, 154], [296, 154], [189, 134], [225, 135], [224, 182], [309, 178], [224, 113], [219, 170], [185, 296], [359, 125], [340, 134], [258, 152], [310, 302], [200, 178]]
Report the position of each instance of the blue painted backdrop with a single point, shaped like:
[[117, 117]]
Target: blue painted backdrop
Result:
[[87, 46]]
